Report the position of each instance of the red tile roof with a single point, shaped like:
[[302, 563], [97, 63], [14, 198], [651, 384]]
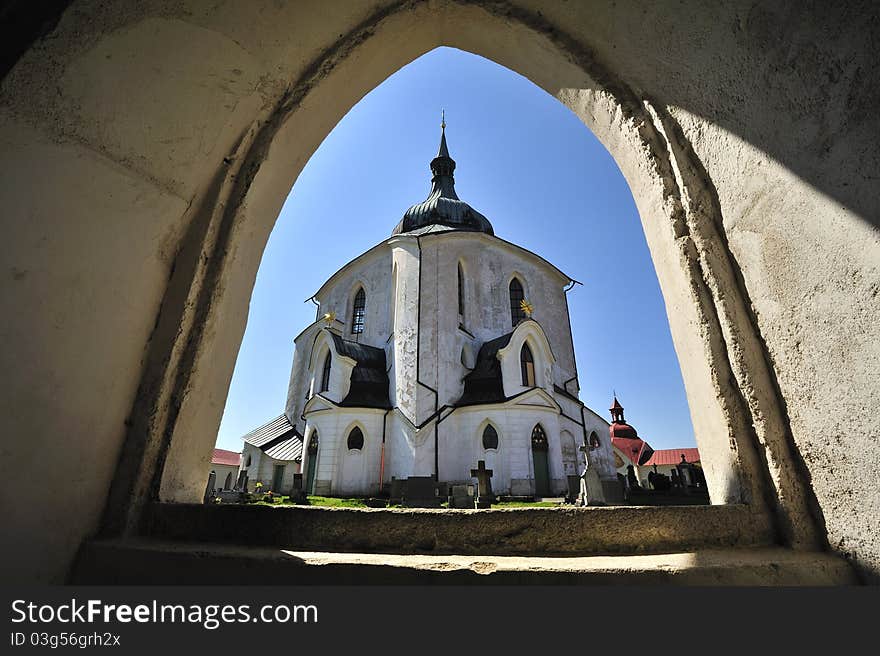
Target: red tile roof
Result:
[[632, 448], [673, 456], [224, 457]]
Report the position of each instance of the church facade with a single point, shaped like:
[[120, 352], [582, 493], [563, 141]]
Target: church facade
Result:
[[439, 347]]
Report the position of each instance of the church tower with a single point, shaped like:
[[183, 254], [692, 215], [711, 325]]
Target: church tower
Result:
[[442, 346]]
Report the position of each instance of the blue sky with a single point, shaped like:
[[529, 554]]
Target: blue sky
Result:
[[525, 162]]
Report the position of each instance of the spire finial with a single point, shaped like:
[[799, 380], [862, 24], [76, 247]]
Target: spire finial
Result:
[[443, 119]]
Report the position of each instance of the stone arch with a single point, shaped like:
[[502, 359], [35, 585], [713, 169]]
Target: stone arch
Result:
[[741, 425]]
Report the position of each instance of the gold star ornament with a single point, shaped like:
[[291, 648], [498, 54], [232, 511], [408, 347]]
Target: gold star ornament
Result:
[[330, 317], [526, 307]]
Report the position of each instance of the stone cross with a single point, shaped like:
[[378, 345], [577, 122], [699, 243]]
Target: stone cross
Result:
[[484, 485]]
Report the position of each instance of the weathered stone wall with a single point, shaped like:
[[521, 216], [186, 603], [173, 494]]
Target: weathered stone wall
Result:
[[148, 147]]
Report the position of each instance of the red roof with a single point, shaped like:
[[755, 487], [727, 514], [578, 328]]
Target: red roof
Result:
[[624, 430], [673, 456], [224, 457], [631, 448]]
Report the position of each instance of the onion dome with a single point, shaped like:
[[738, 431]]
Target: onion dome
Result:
[[443, 207]]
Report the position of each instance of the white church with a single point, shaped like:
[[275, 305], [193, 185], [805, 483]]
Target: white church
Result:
[[439, 347]]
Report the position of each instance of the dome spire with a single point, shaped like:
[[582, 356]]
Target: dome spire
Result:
[[444, 151], [443, 207]]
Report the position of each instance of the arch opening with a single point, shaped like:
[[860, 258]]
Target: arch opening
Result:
[[720, 420]]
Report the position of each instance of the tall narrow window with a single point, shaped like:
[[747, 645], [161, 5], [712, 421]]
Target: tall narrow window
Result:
[[539, 438], [460, 293], [357, 320], [527, 365], [356, 439], [490, 437], [325, 374], [516, 298]]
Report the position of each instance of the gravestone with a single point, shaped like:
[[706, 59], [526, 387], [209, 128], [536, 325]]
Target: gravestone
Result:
[[209, 489], [421, 492], [297, 493], [461, 496], [574, 488], [631, 479], [398, 487], [484, 485], [591, 493]]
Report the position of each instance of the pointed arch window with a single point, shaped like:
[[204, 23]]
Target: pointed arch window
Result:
[[490, 437], [325, 374], [527, 366], [594, 441], [356, 439], [460, 293], [516, 298], [539, 438], [358, 312]]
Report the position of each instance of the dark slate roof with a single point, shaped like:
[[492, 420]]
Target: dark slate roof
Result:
[[278, 439], [369, 378], [443, 206], [483, 384]]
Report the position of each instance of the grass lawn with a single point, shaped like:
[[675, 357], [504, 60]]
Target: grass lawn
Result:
[[333, 502], [526, 504]]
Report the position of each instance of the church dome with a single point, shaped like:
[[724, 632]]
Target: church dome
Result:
[[622, 429], [443, 207]]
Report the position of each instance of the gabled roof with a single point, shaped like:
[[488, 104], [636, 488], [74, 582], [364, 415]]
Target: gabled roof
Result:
[[369, 378], [278, 439], [673, 456], [224, 457], [484, 384]]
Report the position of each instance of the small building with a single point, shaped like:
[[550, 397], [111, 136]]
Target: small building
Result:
[[663, 461], [630, 450], [272, 454], [224, 465]]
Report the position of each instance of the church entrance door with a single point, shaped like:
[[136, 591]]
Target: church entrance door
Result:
[[539, 461], [313, 461]]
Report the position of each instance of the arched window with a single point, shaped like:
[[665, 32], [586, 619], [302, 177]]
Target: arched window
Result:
[[527, 365], [356, 439], [248, 461], [325, 374], [539, 438], [594, 441], [490, 437], [516, 298], [460, 293], [227, 484], [313, 444], [357, 317]]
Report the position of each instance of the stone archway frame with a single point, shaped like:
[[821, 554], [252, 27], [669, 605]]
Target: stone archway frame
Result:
[[739, 417]]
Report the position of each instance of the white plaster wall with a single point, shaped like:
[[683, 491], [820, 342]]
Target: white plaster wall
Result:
[[261, 469], [222, 471], [603, 457], [461, 447], [372, 272], [341, 471]]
